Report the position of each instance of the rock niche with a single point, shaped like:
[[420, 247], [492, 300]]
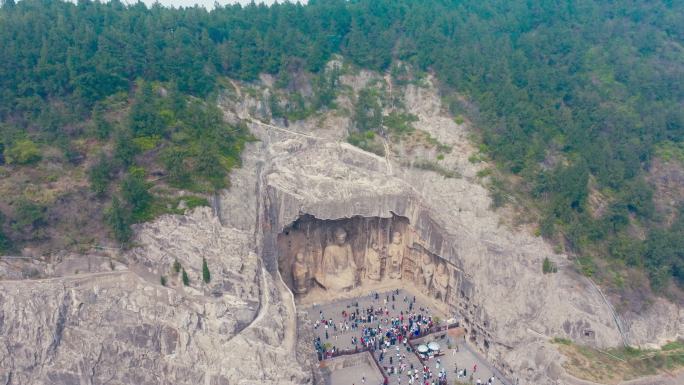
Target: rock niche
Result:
[[330, 257]]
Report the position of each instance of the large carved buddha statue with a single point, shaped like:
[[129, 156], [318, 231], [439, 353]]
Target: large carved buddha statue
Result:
[[395, 254], [373, 263], [338, 269], [300, 274]]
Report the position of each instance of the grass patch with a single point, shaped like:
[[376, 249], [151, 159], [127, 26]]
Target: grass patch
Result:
[[441, 147], [613, 366], [675, 345], [162, 205], [497, 190], [429, 165], [475, 158], [367, 141], [549, 266], [485, 172], [400, 124], [193, 201], [146, 143], [561, 341], [587, 265], [669, 150]]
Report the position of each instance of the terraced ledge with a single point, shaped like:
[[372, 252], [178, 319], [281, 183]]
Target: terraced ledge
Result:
[[623, 365]]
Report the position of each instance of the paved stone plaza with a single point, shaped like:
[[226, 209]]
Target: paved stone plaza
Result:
[[458, 358], [356, 369], [379, 322]]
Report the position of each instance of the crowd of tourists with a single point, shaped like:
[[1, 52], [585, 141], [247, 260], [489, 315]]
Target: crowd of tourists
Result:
[[378, 325], [384, 327]]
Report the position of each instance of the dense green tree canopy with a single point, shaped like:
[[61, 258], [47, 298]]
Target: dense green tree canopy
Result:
[[567, 92]]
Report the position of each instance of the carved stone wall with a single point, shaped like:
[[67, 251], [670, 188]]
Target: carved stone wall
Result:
[[382, 249]]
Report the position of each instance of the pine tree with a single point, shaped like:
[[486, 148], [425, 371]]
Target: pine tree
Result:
[[206, 275], [100, 175], [119, 220], [186, 279], [102, 127], [134, 190]]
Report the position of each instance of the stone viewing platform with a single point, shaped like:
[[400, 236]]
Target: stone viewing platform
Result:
[[373, 339]]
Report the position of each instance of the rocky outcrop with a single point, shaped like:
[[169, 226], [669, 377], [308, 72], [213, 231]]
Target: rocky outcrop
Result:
[[124, 327], [661, 322]]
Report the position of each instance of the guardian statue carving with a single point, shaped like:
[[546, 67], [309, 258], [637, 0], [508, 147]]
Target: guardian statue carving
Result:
[[300, 274]]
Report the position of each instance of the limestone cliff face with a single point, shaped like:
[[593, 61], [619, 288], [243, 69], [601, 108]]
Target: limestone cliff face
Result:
[[122, 326]]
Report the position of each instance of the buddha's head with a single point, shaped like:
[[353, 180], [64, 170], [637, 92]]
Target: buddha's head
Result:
[[300, 257], [427, 260], [340, 236], [441, 268], [396, 238]]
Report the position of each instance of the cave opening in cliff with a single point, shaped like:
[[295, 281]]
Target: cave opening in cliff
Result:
[[324, 259]]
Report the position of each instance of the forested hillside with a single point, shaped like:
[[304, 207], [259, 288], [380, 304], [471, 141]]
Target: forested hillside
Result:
[[574, 98]]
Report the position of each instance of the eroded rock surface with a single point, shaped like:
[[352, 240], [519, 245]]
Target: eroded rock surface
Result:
[[124, 327]]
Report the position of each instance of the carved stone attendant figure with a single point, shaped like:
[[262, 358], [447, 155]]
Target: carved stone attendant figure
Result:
[[373, 264], [428, 270], [395, 254], [300, 274], [440, 282], [338, 269]]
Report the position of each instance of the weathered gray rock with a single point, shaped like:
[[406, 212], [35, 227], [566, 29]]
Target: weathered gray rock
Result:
[[124, 327]]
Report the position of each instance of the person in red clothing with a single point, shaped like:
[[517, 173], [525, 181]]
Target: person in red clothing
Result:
[[474, 368]]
